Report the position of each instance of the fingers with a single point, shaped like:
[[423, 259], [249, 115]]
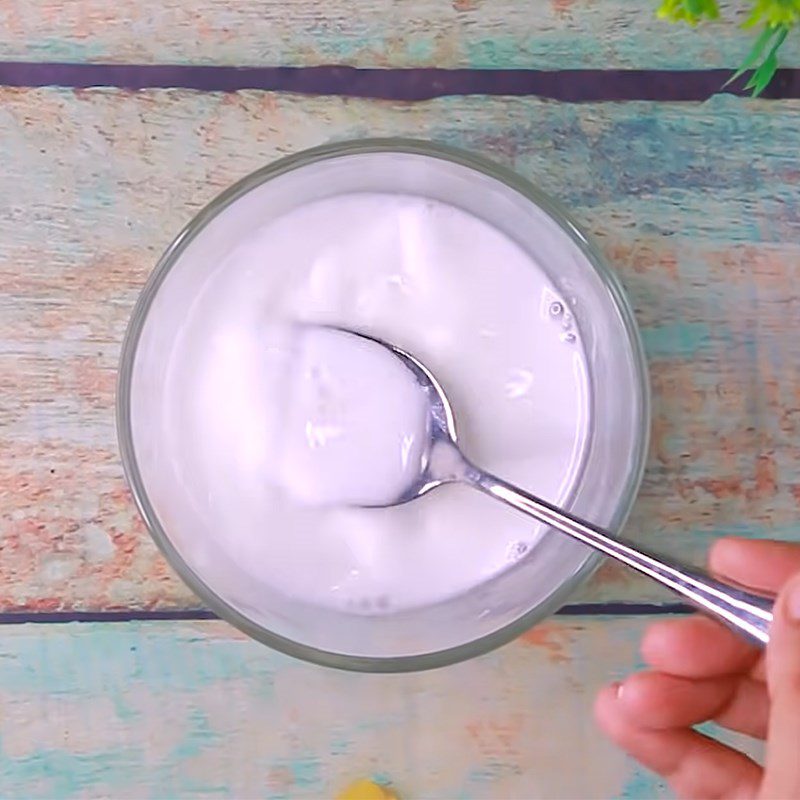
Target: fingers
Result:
[[782, 773], [761, 565], [703, 671], [658, 701], [696, 647], [694, 765]]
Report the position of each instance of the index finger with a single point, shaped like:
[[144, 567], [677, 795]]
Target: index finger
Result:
[[761, 565], [696, 647]]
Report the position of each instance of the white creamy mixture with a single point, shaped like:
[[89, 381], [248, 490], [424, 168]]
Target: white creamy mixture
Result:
[[354, 421], [261, 426]]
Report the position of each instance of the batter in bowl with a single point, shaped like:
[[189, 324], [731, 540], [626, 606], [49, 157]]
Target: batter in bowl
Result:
[[428, 277]]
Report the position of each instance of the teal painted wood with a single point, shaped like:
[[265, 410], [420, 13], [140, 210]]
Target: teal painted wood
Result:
[[485, 34], [192, 710], [695, 207]]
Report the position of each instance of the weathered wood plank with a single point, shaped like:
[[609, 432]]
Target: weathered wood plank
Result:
[[695, 206], [525, 34], [194, 710]]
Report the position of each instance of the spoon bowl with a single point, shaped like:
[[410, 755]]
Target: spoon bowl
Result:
[[443, 461]]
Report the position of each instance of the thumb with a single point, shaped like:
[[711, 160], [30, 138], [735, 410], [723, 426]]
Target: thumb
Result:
[[782, 768]]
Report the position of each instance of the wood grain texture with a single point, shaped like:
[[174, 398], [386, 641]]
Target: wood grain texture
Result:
[[193, 710], [525, 34], [695, 207]]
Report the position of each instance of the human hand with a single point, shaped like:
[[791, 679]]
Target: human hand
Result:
[[701, 671]]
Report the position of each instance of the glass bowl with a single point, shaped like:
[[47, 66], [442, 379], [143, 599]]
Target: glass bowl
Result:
[[508, 604]]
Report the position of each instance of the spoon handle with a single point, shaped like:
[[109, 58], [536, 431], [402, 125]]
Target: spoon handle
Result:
[[746, 613]]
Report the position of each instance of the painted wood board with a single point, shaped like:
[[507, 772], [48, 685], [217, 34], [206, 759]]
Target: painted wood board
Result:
[[194, 710], [484, 34], [695, 206]]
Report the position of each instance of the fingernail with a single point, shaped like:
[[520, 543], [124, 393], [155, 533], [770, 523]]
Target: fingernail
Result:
[[618, 687], [792, 602]]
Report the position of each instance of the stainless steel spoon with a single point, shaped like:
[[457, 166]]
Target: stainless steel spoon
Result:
[[742, 611]]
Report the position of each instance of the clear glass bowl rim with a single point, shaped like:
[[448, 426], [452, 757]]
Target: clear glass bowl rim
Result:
[[170, 256]]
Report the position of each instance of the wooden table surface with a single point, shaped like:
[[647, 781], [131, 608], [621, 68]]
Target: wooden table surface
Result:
[[114, 682]]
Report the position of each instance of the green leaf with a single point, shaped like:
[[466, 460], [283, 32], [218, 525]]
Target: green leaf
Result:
[[784, 32], [766, 72], [754, 55], [690, 11]]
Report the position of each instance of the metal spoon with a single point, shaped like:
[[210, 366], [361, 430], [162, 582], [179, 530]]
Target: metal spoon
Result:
[[748, 614]]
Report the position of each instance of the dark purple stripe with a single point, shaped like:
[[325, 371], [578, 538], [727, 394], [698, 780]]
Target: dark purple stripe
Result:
[[573, 86], [623, 609], [132, 615]]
